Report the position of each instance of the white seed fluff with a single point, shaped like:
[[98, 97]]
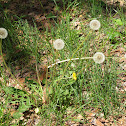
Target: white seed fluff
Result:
[[95, 24], [99, 57], [58, 44], [3, 33]]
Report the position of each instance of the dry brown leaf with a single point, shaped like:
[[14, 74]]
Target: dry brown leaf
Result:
[[121, 2], [120, 50], [91, 115], [80, 117], [122, 59], [42, 74], [21, 80], [98, 123]]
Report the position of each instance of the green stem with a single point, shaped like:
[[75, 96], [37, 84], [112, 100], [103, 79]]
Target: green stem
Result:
[[74, 54], [41, 4], [37, 67]]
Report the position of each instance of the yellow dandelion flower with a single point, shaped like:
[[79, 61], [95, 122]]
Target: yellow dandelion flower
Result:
[[74, 76]]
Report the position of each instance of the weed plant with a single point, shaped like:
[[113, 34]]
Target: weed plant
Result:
[[92, 86]]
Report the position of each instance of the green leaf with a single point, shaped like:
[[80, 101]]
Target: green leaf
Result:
[[1, 112], [66, 92], [17, 115], [114, 34], [118, 22]]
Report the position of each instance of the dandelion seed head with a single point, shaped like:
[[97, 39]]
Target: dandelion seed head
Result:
[[95, 24], [99, 57], [58, 44], [3, 33]]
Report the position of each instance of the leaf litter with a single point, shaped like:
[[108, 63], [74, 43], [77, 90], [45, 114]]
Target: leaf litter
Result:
[[92, 116]]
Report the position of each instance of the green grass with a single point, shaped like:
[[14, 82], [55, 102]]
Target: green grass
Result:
[[95, 87]]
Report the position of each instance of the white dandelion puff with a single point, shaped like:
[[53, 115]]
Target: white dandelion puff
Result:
[[99, 57], [95, 24], [3, 33], [58, 44]]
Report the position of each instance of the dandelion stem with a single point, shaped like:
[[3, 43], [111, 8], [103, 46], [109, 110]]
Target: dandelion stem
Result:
[[69, 60], [75, 53], [73, 60]]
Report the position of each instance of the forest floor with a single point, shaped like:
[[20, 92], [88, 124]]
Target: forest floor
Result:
[[45, 16]]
